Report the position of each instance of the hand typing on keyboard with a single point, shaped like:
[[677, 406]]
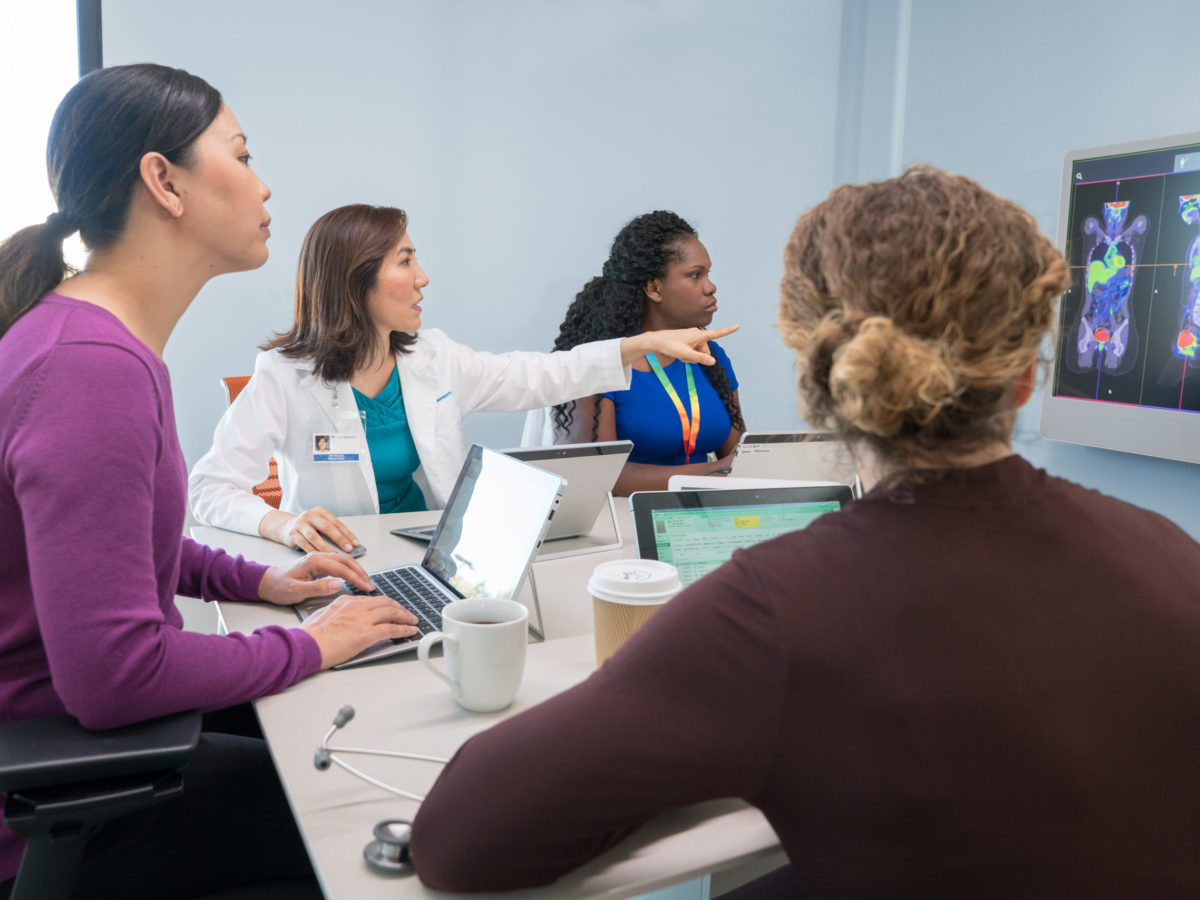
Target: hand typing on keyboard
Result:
[[412, 592], [351, 624], [316, 575]]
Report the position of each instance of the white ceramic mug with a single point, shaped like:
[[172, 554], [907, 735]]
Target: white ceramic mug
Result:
[[483, 642]]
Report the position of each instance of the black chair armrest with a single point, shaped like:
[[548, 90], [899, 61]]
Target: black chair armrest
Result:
[[58, 750]]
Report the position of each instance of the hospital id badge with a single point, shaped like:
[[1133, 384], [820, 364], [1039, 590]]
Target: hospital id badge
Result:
[[331, 448]]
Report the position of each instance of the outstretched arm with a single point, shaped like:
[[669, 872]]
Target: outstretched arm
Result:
[[688, 344], [523, 380]]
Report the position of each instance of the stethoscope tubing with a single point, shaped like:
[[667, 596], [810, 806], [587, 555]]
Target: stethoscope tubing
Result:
[[326, 752]]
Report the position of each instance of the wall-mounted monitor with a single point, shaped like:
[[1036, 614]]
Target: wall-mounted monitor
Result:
[[1127, 366]]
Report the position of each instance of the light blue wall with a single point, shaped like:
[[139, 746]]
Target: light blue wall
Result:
[[520, 136], [1001, 91]]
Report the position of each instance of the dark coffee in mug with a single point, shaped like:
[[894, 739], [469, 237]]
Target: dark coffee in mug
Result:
[[483, 666]]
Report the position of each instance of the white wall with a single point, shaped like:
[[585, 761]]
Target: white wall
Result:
[[1001, 91], [519, 136]]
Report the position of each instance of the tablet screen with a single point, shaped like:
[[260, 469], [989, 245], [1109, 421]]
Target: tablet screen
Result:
[[697, 531]]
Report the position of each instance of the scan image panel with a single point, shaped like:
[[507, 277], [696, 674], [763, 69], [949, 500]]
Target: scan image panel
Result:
[[1188, 340], [1107, 310], [1172, 367], [1106, 336]]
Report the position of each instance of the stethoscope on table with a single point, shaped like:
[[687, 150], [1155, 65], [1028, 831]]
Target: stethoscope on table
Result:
[[389, 851]]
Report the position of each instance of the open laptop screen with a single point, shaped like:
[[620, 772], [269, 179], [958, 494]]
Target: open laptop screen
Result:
[[697, 531], [492, 524]]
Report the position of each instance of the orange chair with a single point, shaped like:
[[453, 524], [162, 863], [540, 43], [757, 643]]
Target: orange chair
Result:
[[269, 490]]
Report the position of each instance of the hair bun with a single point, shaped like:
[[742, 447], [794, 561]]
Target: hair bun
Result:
[[884, 379]]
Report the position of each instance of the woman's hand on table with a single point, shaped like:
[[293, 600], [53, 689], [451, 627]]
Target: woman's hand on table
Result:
[[315, 529], [723, 466], [349, 625], [314, 575], [688, 344]]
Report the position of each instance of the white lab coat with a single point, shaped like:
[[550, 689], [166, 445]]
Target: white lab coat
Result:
[[285, 404]]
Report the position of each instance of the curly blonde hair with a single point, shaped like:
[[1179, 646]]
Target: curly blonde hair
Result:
[[913, 305]]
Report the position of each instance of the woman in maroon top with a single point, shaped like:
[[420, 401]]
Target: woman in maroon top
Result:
[[976, 681]]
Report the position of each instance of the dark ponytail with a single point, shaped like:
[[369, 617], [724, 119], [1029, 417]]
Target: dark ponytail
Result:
[[103, 127], [611, 304], [31, 263]]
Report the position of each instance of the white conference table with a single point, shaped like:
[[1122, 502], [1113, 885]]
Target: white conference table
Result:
[[400, 706]]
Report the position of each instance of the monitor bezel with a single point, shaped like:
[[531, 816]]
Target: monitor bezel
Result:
[[1167, 434], [534, 455]]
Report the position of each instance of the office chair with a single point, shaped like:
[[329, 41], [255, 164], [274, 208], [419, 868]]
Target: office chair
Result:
[[269, 490], [62, 782]]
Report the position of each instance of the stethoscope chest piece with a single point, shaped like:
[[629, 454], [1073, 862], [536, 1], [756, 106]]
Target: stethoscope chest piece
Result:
[[389, 852]]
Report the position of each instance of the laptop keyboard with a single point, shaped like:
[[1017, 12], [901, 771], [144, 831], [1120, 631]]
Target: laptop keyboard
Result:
[[406, 587], [412, 592]]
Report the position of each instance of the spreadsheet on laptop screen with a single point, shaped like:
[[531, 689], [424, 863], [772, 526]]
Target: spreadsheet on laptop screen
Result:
[[696, 541]]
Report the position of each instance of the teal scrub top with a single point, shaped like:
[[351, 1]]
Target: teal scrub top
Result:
[[393, 453]]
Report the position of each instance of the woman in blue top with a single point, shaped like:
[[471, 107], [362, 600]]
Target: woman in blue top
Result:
[[656, 276]]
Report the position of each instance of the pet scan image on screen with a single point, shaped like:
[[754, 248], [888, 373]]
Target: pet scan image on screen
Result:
[[1130, 322]]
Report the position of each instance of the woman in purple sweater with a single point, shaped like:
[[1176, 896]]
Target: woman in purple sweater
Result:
[[151, 168]]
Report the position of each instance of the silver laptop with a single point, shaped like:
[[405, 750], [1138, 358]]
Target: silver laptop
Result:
[[588, 471], [482, 546], [796, 456], [697, 531]]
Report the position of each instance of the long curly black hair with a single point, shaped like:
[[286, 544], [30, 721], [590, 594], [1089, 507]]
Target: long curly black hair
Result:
[[611, 304]]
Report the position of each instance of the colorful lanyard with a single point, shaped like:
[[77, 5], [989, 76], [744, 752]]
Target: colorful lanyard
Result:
[[692, 428]]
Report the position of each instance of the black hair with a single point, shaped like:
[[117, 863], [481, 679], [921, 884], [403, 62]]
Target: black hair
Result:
[[611, 304], [101, 130]]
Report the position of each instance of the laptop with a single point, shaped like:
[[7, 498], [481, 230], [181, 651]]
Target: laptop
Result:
[[588, 471], [729, 483], [483, 544], [804, 455], [697, 531]]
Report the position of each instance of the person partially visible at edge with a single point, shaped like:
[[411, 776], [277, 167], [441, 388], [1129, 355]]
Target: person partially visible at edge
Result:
[[978, 680], [151, 168], [356, 360], [656, 276]]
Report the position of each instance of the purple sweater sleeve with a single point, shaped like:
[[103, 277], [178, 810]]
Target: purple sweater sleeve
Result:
[[100, 484], [666, 722], [215, 575]]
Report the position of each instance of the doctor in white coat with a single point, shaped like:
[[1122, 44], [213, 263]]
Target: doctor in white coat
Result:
[[357, 335]]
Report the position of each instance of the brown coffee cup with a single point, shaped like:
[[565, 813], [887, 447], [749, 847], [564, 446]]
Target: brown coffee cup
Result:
[[625, 594]]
